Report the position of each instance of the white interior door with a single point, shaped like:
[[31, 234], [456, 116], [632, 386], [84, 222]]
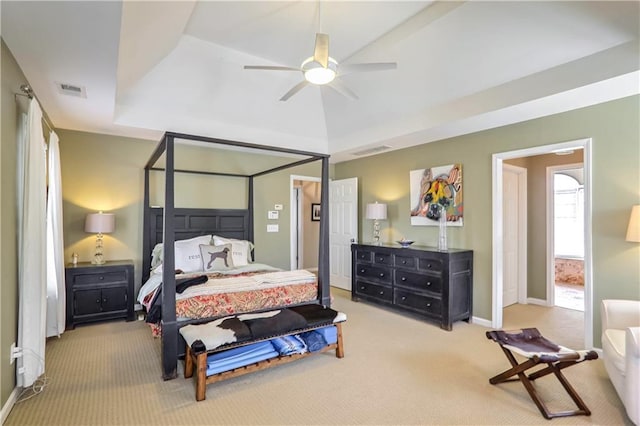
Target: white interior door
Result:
[[343, 229], [513, 234]]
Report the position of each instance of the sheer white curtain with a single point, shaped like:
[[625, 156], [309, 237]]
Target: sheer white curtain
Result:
[[32, 193], [55, 244]]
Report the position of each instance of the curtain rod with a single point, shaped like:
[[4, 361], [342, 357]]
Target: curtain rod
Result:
[[28, 93]]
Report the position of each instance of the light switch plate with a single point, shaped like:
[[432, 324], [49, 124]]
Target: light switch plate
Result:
[[273, 228]]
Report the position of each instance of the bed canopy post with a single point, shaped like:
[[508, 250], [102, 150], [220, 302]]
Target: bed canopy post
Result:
[[168, 322], [250, 207], [323, 258], [146, 261]]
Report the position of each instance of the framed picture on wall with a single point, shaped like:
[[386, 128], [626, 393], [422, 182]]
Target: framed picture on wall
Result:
[[315, 212]]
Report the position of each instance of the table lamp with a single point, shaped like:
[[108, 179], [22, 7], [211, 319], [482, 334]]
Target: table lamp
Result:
[[377, 212], [633, 230], [99, 223]]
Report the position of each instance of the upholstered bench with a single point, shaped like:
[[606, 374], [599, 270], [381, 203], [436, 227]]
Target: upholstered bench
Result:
[[240, 344]]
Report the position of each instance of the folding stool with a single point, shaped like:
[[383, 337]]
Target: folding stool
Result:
[[529, 343]]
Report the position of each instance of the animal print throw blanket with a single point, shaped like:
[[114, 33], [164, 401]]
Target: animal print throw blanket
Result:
[[245, 327]]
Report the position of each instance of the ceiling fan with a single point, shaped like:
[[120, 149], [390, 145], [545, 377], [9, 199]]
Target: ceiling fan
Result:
[[321, 69]]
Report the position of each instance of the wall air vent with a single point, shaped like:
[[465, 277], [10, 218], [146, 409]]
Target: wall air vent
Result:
[[369, 151], [71, 90]]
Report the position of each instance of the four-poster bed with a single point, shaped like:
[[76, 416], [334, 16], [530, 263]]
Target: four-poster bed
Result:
[[170, 224]]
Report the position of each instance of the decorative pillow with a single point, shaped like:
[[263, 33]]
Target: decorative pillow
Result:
[[241, 249], [187, 254], [156, 255], [216, 258]]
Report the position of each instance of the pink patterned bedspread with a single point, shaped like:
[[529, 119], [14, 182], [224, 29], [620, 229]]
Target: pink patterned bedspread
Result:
[[228, 303]]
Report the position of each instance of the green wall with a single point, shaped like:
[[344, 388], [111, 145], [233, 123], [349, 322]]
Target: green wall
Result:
[[614, 128], [271, 189], [102, 172], [12, 78]]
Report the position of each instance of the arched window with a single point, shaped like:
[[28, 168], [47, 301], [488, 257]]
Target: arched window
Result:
[[569, 216]]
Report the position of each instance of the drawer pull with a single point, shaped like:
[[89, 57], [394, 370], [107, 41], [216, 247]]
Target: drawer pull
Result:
[[362, 256], [381, 293], [404, 262], [381, 274], [428, 305], [428, 266], [101, 278], [362, 287], [362, 271], [428, 283], [404, 297], [381, 259], [104, 300], [403, 278], [97, 300]]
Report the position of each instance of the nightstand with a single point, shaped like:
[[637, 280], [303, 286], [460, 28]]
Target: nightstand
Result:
[[99, 292]]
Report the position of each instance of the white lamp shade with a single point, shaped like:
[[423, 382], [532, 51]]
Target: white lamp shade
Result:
[[633, 230], [376, 211], [100, 223]]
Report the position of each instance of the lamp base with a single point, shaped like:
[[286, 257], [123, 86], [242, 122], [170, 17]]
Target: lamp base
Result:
[[98, 259]]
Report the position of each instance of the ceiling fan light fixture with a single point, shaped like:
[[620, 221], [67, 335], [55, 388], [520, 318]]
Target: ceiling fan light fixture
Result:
[[315, 73]]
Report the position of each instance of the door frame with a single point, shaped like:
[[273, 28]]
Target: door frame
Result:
[[551, 251], [497, 284], [521, 172], [293, 225]]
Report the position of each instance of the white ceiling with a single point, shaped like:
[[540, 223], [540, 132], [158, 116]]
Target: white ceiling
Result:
[[149, 67]]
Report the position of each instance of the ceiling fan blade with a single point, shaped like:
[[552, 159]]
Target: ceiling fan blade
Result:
[[321, 50], [343, 90], [373, 66], [295, 89], [269, 68]]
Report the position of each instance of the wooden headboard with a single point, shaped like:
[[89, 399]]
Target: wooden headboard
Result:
[[189, 223]]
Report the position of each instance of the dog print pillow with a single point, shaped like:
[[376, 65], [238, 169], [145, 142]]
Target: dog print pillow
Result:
[[216, 258]]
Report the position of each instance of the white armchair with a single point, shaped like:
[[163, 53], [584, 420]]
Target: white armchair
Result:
[[621, 351]]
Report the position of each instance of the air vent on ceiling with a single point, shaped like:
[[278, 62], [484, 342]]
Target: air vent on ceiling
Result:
[[374, 150], [72, 90]]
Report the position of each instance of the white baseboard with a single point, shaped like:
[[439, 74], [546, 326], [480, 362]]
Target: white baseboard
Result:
[[535, 301], [481, 321], [6, 408]]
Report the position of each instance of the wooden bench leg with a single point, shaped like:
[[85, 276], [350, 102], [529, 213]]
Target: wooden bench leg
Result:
[[188, 363], [340, 348], [201, 376]]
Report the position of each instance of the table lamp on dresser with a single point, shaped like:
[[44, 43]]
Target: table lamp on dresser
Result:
[[377, 212]]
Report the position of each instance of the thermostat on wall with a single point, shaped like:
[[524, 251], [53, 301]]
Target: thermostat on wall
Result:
[[273, 214], [278, 207]]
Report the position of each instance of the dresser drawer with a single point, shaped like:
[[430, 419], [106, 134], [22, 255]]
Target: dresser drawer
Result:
[[418, 303], [364, 256], [405, 261], [434, 265], [374, 290], [382, 258], [100, 278], [374, 273], [417, 281]]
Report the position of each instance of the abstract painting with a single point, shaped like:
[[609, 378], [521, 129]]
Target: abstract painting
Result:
[[436, 191]]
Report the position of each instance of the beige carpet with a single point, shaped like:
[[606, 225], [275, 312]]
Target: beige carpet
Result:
[[397, 370]]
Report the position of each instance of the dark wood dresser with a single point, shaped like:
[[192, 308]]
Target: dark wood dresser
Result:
[[99, 292], [422, 281]]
